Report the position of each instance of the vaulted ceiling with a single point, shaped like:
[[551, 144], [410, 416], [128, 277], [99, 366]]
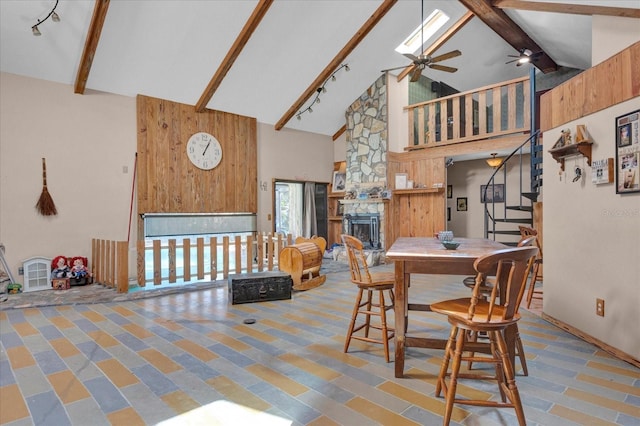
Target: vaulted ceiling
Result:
[[267, 58]]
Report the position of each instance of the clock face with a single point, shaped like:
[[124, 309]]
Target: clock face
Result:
[[204, 151]]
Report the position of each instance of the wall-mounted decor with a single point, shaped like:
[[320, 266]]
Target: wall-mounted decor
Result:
[[494, 194], [461, 203], [338, 182], [602, 171], [628, 153], [449, 191], [448, 214]]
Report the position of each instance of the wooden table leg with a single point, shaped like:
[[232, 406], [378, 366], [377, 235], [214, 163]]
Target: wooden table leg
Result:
[[400, 311]]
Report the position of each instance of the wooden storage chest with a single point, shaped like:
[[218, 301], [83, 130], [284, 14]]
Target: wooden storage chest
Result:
[[259, 287]]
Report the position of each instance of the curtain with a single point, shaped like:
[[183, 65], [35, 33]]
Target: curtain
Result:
[[309, 227]]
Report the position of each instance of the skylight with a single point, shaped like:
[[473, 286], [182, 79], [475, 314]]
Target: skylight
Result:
[[433, 23]]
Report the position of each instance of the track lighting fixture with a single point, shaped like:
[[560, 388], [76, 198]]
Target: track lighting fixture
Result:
[[320, 90], [54, 17]]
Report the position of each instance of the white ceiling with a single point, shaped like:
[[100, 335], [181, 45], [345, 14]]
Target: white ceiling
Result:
[[170, 49]]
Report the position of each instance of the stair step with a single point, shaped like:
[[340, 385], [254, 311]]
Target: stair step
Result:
[[520, 208], [504, 232], [511, 220], [533, 196]]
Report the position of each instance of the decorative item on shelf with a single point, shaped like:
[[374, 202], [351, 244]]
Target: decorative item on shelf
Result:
[[628, 153], [363, 196], [350, 195], [582, 135], [602, 171], [401, 180], [339, 181], [494, 161], [320, 90], [386, 194], [566, 137]]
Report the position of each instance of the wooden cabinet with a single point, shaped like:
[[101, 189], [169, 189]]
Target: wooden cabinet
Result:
[[335, 210]]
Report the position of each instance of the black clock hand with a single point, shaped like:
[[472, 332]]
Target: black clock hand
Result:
[[205, 148]]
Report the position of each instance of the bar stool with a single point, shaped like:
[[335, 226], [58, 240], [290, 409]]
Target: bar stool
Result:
[[371, 283]]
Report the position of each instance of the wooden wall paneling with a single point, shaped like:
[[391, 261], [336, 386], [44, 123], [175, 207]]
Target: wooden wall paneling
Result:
[[611, 82], [169, 183]]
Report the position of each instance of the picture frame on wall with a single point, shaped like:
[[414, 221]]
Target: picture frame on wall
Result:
[[401, 180], [494, 193], [627, 170], [448, 214], [338, 183], [461, 204], [449, 191]]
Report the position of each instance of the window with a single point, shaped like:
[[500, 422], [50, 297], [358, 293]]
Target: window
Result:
[[413, 43]]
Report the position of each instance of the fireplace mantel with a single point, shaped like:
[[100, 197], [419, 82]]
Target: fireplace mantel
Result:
[[365, 200]]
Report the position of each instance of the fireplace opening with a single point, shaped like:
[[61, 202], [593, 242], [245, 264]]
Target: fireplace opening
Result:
[[364, 227]]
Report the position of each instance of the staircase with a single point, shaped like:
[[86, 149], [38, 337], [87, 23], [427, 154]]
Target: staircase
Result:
[[501, 221]]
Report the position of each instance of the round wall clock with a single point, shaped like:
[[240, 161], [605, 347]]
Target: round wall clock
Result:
[[204, 151]]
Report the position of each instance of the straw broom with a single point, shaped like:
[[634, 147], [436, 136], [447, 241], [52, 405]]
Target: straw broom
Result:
[[45, 205]]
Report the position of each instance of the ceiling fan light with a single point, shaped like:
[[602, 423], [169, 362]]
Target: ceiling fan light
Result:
[[55, 17], [527, 52], [524, 60], [35, 31], [346, 68]]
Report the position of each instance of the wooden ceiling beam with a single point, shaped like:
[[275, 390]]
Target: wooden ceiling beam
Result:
[[339, 133], [341, 56], [501, 24], [574, 9], [243, 38], [91, 44], [440, 41]]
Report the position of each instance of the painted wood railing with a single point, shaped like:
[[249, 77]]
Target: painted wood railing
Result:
[[496, 110], [185, 260]]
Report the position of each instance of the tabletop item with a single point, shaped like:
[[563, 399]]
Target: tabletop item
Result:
[[445, 235], [450, 245]]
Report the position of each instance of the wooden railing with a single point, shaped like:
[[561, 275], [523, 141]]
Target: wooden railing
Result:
[[496, 110], [213, 261]]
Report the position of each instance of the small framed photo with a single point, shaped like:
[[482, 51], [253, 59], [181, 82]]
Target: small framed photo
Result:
[[339, 181], [340, 209], [448, 214], [461, 204], [494, 193], [449, 191], [401, 180]]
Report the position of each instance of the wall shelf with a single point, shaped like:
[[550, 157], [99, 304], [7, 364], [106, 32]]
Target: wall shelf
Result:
[[364, 200], [416, 191], [581, 148]]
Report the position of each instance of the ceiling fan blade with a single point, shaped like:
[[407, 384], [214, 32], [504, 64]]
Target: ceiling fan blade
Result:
[[412, 57], [511, 61], [444, 56], [396, 68], [443, 68], [415, 74]]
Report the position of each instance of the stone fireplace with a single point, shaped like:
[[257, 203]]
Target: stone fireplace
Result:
[[366, 158]]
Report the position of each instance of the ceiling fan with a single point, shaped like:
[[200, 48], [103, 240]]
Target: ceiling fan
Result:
[[425, 61], [524, 57]]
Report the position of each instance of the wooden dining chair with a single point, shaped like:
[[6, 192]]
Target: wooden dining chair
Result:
[[485, 291], [492, 315], [536, 274], [371, 283]]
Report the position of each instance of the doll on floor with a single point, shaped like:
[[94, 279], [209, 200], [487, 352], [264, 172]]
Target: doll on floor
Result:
[[61, 269], [79, 270]]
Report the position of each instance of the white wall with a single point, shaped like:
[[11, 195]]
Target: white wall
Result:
[[87, 140], [610, 35], [592, 242], [465, 177], [289, 154]]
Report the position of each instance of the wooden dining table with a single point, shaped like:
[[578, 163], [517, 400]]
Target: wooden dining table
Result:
[[426, 255]]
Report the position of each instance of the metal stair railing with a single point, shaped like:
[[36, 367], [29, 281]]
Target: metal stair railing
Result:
[[535, 182]]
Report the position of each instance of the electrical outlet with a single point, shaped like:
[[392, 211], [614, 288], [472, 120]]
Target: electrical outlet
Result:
[[20, 270], [600, 307]]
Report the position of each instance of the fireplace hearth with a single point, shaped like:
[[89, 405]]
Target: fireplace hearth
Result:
[[365, 227]]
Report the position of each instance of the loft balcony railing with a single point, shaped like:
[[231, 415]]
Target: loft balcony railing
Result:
[[497, 110]]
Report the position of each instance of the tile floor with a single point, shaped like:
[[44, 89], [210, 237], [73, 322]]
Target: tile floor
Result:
[[188, 358]]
